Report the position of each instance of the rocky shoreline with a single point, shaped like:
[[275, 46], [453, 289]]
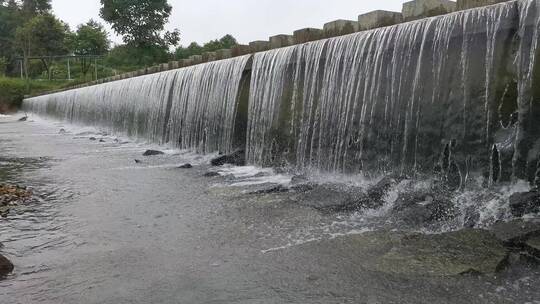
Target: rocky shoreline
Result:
[[11, 196]]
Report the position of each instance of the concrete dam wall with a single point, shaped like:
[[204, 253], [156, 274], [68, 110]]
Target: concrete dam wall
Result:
[[456, 94]]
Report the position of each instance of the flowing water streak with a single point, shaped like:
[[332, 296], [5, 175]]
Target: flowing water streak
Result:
[[389, 98], [193, 107]]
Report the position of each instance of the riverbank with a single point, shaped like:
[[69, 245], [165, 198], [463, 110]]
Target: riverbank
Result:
[[112, 230]]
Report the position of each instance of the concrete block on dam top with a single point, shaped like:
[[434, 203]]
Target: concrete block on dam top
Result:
[[378, 19], [467, 4], [209, 56], [174, 65], [259, 46], [307, 35], [340, 27], [418, 9], [240, 50], [279, 41], [196, 59], [223, 54]]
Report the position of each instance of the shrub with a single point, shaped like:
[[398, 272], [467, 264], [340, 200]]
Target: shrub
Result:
[[11, 94]]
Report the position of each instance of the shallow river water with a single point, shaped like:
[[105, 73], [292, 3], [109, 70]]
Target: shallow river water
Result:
[[109, 230]]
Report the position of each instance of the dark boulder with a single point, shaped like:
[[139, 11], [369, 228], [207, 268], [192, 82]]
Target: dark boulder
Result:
[[379, 190], [423, 207], [138, 161], [299, 179], [269, 188], [211, 174], [331, 198], [416, 255], [525, 203], [6, 267], [102, 140], [92, 138], [237, 158], [185, 166], [522, 236], [24, 118], [152, 153]]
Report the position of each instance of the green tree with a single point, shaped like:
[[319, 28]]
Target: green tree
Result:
[[225, 42], [184, 52], [45, 36], [140, 22], [10, 20], [128, 58], [3, 66], [35, 7], [90, 38]]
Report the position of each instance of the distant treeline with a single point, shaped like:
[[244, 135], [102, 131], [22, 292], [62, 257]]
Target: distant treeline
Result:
[[29, 29]]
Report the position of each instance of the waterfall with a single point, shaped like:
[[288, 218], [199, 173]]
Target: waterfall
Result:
[[392, 98], [191, 108]]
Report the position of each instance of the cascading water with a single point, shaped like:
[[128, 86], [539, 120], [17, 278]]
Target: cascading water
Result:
[[191, 108], [392, 99]]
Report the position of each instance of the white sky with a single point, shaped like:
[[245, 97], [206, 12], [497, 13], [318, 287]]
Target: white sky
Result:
[[247, 20]]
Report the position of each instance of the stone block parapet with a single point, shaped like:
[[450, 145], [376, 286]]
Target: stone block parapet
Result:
[[378, 19], [418, 9]]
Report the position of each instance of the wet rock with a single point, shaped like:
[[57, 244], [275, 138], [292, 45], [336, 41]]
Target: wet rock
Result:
[[13, 195], [237, 158], [6, 267], [211, 174], [379, 190], [185, 166], [438, 255], [303, 187], [333, 198], [92, 138], [423, 207], [137, 161], [152, 153], [271, 188], [24, 118], [525, 203], [102, 140], [534, 245], [461, 252], [515, 232], [299, 179]]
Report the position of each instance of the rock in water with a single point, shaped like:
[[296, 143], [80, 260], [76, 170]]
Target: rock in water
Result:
[[534, 244], [437, 255], [24, 118], [237, 158], [152, 153], [92, 138], [515, 232], [6, 267], [525, 203], [211, 174], [465, 251], [186, 166], [138, 161], [423, 207]]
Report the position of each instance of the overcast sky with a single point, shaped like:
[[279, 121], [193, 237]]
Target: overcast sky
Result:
[[247, 20]]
